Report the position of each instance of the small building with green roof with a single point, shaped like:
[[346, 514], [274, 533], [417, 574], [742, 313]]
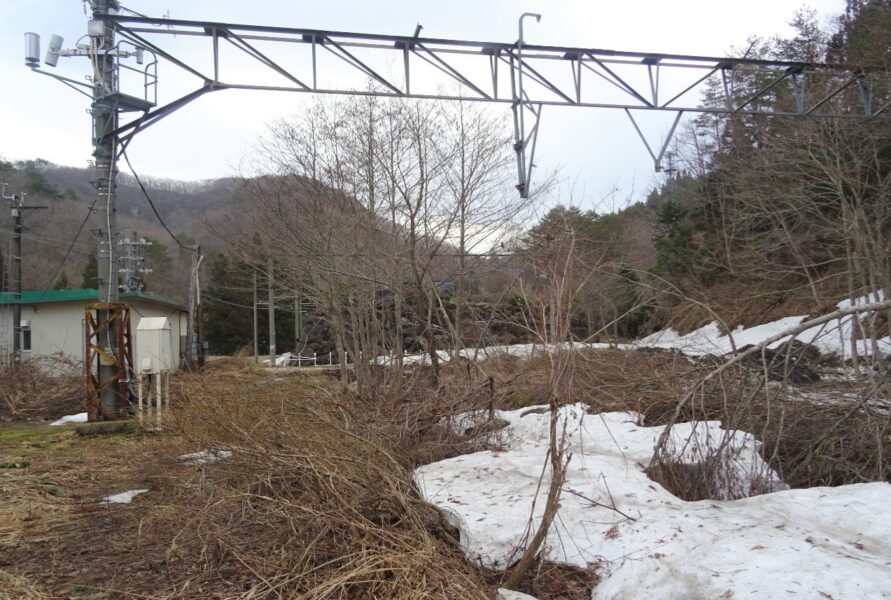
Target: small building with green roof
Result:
[[53, 327]]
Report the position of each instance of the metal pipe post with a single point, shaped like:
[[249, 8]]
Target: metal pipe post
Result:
[[139, 391], [159, 401]]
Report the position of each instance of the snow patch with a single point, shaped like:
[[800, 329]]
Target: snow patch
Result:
[[505, 594], [835, 337], [78, 418], [122, 498], [487, 352], [811, 542]]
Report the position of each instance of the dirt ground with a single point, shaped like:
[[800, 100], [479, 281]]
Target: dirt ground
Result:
[[56, 537]]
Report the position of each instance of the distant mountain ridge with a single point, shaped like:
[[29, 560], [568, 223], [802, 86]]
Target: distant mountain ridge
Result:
[[68, 192]]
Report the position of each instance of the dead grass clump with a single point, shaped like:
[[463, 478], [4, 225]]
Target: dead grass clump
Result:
[[549, 580], [607, 380], [240, 363], [711, 479], [424, 422], [30, 391], [17, 587], [811, 435], [810, 443], [314, 503]]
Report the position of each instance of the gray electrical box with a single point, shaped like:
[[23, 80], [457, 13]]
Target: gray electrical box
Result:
[[153, 348], [96, 28]]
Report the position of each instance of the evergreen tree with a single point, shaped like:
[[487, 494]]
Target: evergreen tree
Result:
[[90, 278], [227, 309], [61, 282]]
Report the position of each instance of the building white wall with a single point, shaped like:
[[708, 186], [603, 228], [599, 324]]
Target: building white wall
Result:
[[57, 334], [58, 330]]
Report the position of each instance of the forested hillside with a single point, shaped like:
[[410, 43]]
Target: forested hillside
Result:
[[59, 241]]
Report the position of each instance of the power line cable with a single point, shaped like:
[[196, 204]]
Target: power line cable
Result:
[[152, 204], [221, 301], [44, 242], [70, 247]]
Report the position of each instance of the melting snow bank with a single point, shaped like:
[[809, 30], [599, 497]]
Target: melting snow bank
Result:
[[122, 498], [78, 418], [834, 337], [814, 543]]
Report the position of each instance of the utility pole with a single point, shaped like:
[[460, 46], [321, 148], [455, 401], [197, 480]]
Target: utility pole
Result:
[[256, 336], [18, 208], [105, 122], [108, 359], [199, 325], [191, 340], [271, 292], [298, 324]]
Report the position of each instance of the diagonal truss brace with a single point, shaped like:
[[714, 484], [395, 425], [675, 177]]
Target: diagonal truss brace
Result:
[[657, 158]]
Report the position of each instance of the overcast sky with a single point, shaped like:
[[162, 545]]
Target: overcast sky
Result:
[[600, 158]]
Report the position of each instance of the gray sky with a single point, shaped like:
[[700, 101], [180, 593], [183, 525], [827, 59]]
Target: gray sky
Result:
[[600, 159]]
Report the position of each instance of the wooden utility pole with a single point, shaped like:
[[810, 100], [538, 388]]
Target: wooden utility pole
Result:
[[199, 325], [271, 292], [191, 350], [256, 335], [298, 324]]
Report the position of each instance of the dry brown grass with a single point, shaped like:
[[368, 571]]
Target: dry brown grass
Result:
[[17, 587], [29, 392], [314, 503], [606, 380], [52, 528], [807, 443], [546, 580], [317, 500]]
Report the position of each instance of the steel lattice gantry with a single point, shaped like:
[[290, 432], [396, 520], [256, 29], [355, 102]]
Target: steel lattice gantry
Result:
[[525, 76]]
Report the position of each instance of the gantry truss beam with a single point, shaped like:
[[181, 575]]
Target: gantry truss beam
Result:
[[524, 76]]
